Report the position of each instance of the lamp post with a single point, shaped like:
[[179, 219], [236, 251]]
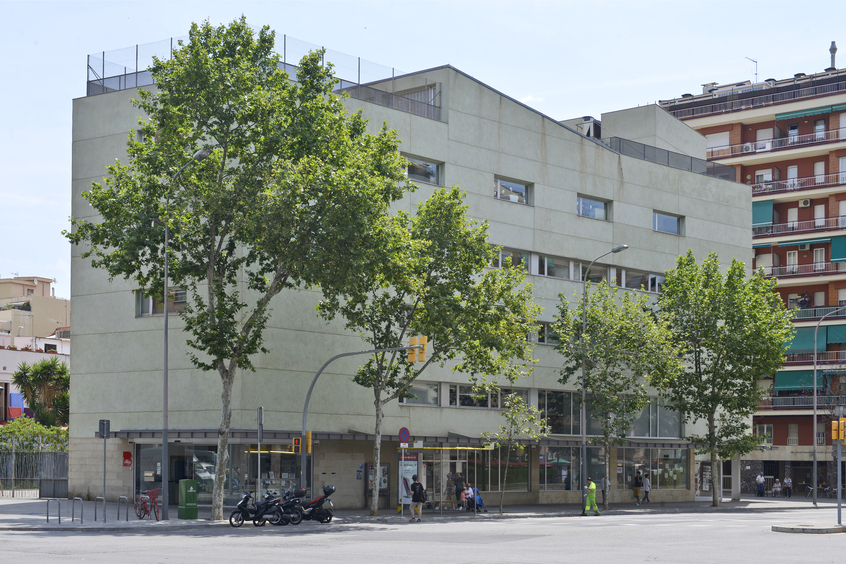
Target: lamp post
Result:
[[816, 329], [200, 155], [583, 414]]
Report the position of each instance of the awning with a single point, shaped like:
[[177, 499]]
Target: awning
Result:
[[838, 249], [836, 334], [803, 339], [762, 246], [805, 242], [803, 113], [838, 107], [797, 380], [762, 213]]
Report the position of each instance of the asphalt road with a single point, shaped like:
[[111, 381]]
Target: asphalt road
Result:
[[683, 538]]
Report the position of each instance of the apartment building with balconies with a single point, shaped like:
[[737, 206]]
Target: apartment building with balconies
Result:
[[786, 139]]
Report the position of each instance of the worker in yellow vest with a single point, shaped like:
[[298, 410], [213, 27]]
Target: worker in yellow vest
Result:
[[591, 498]]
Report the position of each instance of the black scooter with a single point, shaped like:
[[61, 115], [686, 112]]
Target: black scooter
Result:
[[259, 513], [290, 506], [314, 510]]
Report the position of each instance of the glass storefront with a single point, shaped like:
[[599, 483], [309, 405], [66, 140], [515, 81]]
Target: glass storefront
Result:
[[667, 468], [485, 469], [560, 467], [279, 469]]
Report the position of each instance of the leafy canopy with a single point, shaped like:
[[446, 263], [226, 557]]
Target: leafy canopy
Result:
[[45, 386]]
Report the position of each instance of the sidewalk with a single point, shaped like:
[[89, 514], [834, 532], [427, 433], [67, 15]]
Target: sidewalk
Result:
[[31, 514]]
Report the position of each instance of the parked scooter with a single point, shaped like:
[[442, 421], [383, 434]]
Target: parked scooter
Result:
[[259, 513], [290, 507], [314, 510]]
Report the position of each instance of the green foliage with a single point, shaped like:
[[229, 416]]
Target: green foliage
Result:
[[732, 330], [293, 194], [24, 433], [523, 422], [45, 386], [432, 278]]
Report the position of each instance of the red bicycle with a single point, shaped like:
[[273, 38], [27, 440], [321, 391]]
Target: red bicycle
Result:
[[147, 502]]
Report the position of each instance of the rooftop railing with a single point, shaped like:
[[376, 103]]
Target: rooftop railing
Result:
[[722, 102], [765, 146], [799, 227], [804, 183], [670, 158], [813, 269]]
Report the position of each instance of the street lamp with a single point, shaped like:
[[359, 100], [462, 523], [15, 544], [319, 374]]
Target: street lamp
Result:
[[814, 475], [200, 155], [582, 415]]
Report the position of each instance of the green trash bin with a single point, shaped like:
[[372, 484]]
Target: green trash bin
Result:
[[187, 499]]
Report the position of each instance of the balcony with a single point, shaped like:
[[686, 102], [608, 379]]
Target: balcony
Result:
[[810, 313], [800, 402], [796, 184], [813, 269], [768, 145], [824, 358], [799, 227]]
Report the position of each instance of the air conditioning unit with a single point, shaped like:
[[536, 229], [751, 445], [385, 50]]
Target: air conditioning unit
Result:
[[804, 247], [748, 147], [806, 203]]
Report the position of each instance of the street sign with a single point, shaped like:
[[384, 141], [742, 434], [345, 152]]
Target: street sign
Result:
[[404, 435], [403, 445], [104, 428]]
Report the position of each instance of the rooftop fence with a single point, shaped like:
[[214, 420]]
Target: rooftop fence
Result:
[[670, 158]]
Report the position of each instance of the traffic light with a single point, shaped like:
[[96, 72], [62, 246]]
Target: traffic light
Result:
[[308, 442], [842, 428], [835, 430], [412, 353], [298, 445], [417, 355]]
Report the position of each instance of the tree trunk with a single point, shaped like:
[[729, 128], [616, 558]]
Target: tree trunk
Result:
[[377, 452], [504, 476], [607, 476], [222, 443], [716, 486]]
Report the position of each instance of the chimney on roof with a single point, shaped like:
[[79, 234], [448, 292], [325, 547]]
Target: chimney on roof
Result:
[[832, 50]]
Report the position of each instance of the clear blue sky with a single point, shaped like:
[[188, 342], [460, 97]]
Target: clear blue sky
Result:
[[566, 59]]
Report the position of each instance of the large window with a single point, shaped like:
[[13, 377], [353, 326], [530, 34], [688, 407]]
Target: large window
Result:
[[546, 336], [666, 223], [424, 171], [560, 411], [145, 305], [464, 396], [518, 258], [512, 191], [657, 419], [554, 267], [596, 209], [667, 468], [423, 393]]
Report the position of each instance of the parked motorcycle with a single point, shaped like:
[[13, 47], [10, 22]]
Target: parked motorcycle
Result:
[[314, 510], [290, 507], [259, 513]]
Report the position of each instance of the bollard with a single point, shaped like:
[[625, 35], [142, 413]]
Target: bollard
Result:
[[104, 508], [60, 509], [81, 509], [126, 499]]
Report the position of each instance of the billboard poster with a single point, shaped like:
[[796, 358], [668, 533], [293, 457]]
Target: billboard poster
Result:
[[408, 468]]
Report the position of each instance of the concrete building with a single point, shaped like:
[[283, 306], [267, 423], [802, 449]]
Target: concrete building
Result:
[[555, 199], [786, 140]]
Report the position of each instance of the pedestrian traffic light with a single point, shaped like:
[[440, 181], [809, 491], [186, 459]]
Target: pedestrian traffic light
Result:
[[308, 442], [298, 442], [412, 353]]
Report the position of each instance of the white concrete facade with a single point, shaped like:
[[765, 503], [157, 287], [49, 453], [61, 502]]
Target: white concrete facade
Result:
[[482, 136]]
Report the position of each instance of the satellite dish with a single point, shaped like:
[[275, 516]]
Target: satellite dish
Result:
[[35, 281]]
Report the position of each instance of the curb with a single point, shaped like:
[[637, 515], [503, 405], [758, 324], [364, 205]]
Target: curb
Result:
[[810, 529]]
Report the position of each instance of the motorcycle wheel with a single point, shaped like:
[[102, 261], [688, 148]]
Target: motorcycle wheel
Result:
[[275, 517], [296, 517], [259, 522], [236, 518], [327, 519]]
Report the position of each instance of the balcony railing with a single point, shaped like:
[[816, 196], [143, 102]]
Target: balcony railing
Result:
[[799, 402], [797, 227], [804, 183], [824, 358], [813, 269], [820, 438], [805, 314], [792, 441], [789, 142]]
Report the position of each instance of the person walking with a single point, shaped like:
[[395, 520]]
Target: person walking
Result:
[[417, 498], [760, 481], [603, 485], [788, 486], [637, 485], [591, 498], [647, 487]]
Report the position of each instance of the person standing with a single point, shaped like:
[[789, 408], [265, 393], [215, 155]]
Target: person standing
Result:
[[637, 485], [603, 485], [760, 481], [591, 498], [458, 480], [647, 487], [416, 498], [788, 486]]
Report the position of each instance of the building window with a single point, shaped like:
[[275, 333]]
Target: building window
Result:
[[554, 267], [598, 273], [666, 223], [423, 171], [50, 347], [596, 209], [560, 412], [146, 306], [421, 393], [511, 191], [518, 258], [765, 431], [546, 336], [667, 468]]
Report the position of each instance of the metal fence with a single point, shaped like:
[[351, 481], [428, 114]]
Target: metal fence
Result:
[[670, 158], [33, 474]]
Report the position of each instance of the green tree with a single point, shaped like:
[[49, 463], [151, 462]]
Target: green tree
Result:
[[291, 196], [434, 280], [731, 330], [624, 349], [523, 422], [24, 433], [45, 386]]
